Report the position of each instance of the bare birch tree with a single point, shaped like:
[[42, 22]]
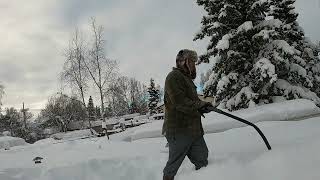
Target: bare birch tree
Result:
[[127, 95], [1, 95], [101, 69], [74, 72]]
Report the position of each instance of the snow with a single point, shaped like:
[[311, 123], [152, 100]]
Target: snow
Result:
[[104, 124], [74, 134], [284, 46], [277, 99], [216, 25], [45, 141], [130, 115], [223, 44], [225, 81], [266, 69], [238, 154], [299, 60], [246, 26], [6, 133], [235, 154], [258, 3], [265, 34], [7, 142], [244, 92], [297, 68], [296, 91], [212, 78], [213, 123], [271, 23]]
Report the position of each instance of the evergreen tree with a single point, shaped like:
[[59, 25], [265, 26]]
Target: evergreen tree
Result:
[[91, 110], [255, 62], [153, 97], [133, 108], [284, 11], [307, 54], [98, 112], [108, 111]]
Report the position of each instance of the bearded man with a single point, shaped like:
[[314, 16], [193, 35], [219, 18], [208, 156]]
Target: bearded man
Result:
[[182, 126]]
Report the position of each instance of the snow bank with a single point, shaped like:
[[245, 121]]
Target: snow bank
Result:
[[214, 122], [240, 154], [45, 141], [283, 111], [74, 134], [236, 154], [7, 141]]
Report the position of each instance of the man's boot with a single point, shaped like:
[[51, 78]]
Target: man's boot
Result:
[[168, 177]]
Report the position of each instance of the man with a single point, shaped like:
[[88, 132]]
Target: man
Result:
[[183, 109]]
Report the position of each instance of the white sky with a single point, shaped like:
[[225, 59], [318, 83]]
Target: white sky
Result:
[[143, 35]]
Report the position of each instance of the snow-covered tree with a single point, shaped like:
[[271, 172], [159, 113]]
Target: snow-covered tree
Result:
[[284, 11], [255, 62], [306, 57], [60, 110], [153, 97], [91, 110], [11, 121]]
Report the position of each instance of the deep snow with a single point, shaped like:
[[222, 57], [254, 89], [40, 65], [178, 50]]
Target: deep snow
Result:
[[234, 154], [7, 141], [214, 122]]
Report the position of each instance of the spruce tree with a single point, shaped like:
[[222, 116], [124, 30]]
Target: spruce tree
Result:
[[98, 112], [153, 97], [254, 61], [307, 55], [108, 111], [91, 110], [284, 11], [230, 26]]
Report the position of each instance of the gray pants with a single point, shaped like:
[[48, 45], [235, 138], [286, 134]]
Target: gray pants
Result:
[[181, 146]]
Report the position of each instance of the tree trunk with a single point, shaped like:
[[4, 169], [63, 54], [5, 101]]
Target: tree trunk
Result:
[[102, 104]]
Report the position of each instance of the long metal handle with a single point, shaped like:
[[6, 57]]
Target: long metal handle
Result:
[[243, 121]]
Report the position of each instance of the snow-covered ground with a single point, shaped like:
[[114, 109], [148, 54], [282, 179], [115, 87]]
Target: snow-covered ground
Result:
[[237, 153], [74, 134], [7, 141], [214, 122]]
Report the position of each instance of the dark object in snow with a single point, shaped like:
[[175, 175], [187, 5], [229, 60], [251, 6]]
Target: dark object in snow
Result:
[[167, 145], [37, 160], [243, 121]]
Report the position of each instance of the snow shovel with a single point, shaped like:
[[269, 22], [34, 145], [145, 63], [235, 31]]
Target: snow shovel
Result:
[[243, 121]]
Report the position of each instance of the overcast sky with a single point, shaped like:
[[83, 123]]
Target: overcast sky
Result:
[[143, 35]]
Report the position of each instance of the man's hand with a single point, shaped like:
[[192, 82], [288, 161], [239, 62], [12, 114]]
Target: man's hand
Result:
[[206, 108]]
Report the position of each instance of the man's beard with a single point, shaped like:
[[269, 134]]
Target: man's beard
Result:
[[193, 74], [191, 71]]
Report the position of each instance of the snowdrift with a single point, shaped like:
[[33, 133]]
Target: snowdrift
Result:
[[235, 154], [7, 141], [213, 123], [74, 134]]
